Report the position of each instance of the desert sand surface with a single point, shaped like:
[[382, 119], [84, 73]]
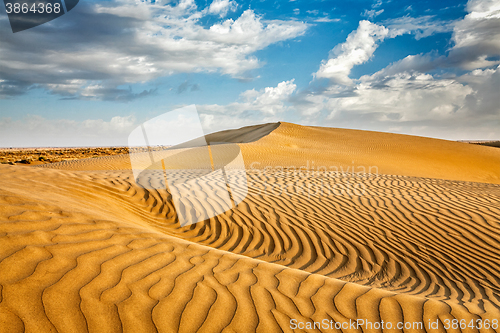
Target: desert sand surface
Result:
[[291, 146], [83, 248]]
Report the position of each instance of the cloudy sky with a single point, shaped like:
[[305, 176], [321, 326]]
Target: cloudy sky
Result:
[[429, 68]]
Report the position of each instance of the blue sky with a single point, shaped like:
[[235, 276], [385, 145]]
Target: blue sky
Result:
[[427, 68]]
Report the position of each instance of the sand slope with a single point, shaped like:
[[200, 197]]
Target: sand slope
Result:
[[343, 150], [89, 250], [391, 154]]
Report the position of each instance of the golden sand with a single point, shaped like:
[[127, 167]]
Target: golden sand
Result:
[[84, 248]]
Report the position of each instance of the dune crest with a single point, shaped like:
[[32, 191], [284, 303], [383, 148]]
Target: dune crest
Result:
[[387, 153], [288, 145]]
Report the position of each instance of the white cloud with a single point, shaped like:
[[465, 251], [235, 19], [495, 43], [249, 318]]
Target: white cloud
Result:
[[114, 43], [377, 4], [372, 13], [357, 49], [249, 33], [326, 19], [411, 102], [484, 100], [405, 97], [222, 7], [254, 107], [419, 63], [271, 99], [477, 36], [423, 26], [268, 101]]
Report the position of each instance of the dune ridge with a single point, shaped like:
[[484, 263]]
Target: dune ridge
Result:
[[288, 145], [89, 250]]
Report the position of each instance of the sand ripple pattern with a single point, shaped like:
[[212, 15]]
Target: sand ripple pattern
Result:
[[395, 249], [433, 238]]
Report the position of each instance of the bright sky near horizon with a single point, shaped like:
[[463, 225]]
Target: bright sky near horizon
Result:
[[429, 68]]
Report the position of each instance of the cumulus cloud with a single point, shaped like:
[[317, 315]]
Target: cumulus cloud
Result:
[[110, 44], [475, 39], [464, 107], [405, 97], [484, 100], [477, 36], [254, 107], [222, 7], [357, 49], [271, 99], [409, 95]]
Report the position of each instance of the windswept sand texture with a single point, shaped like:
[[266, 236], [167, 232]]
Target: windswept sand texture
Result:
[[84, 248]]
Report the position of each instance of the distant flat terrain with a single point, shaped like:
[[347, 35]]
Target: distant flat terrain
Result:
[[53, 155], [487, 143]]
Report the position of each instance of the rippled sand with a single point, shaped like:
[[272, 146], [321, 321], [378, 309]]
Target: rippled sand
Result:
[[84, 248]]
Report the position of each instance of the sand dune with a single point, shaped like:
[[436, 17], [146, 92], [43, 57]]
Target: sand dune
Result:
[[84, 248], [390, 154], [345, 151]]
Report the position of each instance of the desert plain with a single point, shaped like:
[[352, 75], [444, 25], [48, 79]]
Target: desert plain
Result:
[[339, 228]]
